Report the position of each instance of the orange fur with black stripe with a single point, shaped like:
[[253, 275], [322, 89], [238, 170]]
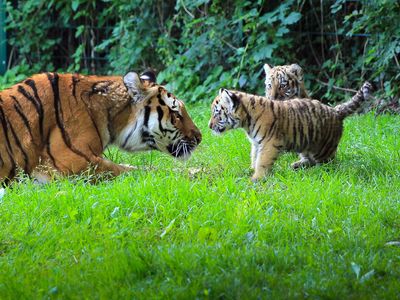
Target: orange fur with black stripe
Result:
[[305, 126], [67, 120], [284, 82]]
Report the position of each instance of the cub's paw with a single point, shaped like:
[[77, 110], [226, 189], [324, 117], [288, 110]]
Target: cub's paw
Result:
[[129, 167], [255, 178], [260, 174], [296, 165], [40, 178], [301, 164]]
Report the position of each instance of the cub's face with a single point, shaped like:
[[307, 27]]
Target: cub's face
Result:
[[158, 121], [283, 82], [224, 112]]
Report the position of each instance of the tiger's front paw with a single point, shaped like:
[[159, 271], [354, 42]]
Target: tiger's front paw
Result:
[[40, 178], [255, 178], [259, 174], [297, 165]]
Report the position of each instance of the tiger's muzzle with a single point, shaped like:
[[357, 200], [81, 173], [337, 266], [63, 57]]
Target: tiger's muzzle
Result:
[[184, 147], [216, 126]]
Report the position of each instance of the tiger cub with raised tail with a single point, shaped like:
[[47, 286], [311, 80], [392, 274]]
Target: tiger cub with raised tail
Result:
[[284, 82], [305, 126]]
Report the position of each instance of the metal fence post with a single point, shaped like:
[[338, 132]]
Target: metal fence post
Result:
[[3, 38]]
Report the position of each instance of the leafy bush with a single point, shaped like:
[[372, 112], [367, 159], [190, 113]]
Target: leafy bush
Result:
[[229, 48], [382, 51], [199, 46], [352, 41], [13, 75]]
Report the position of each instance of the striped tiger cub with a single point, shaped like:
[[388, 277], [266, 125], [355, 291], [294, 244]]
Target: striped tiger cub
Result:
[[284, 82], [305, 126], [65, 121]]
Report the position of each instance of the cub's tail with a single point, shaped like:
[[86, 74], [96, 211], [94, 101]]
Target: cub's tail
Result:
[[347, 108]]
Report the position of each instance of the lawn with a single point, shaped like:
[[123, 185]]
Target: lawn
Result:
[[201, 229]]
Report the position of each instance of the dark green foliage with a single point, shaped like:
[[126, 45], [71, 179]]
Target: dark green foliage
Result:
[[226, 45], [360, 41], [200, 46], [382, 51]]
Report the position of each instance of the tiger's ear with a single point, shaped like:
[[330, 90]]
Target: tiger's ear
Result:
[[228, 99], [296, 70], [267, 70], [135, 86], [148, 77]]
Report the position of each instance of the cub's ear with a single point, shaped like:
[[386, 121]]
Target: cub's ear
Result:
[[225, 94], [135, 86], [296, 70], [228, 99], [267, 69]]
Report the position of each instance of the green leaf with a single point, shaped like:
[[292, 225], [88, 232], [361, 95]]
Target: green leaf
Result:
[[268, 18], [367, 276], [264, 52], [356, 269], [281, 31], [292, 18], [168, 228], [75, 5], [79, 31], [337, 6], [242, 81]]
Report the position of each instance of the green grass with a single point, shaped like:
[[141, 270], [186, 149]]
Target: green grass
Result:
[[201, 229]]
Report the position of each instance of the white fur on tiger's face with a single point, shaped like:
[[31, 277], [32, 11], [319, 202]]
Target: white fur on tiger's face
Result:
[[158, 121]]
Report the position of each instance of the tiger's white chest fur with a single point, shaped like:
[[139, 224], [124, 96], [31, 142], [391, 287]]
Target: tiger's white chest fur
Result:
[[131, 137]]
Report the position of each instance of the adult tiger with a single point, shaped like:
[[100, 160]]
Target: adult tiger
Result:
[[284, 82], [305, 126], [67, 120]]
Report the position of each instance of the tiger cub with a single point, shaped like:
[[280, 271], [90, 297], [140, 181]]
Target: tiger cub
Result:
[[284, 82], [65, 121], [305, 126]]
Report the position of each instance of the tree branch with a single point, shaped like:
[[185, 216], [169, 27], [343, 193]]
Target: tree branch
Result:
[[187, 11], [337, 87]]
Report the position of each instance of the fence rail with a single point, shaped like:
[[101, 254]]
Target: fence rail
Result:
[[3, 39]]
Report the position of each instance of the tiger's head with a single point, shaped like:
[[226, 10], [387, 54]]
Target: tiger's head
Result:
[[226, 112], [284, 82], [155, 119]]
